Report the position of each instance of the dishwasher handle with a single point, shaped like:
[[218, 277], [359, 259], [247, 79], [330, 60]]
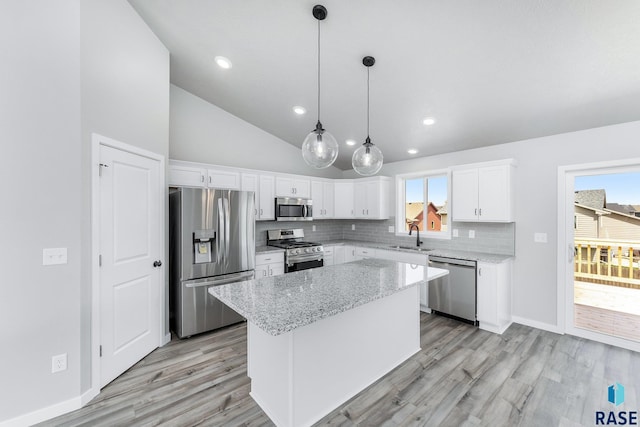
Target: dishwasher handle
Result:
[[452, 261]]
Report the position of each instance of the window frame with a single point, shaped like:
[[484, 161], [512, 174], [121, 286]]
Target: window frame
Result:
[[401, 202]]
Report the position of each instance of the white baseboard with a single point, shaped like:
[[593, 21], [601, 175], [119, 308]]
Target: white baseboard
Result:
[[44, 414], [536, 324], [88, 395]]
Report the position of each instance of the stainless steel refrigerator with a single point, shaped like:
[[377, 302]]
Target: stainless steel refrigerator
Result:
[[211, 242]]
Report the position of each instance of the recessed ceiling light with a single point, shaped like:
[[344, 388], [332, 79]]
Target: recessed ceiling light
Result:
[[222, 62], [412, 151], [350, 142], [429, 121], [299, 110]]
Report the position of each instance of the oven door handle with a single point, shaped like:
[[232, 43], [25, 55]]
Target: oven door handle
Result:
[[305, 258]]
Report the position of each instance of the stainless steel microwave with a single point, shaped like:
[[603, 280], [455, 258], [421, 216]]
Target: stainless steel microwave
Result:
[[294, 209]]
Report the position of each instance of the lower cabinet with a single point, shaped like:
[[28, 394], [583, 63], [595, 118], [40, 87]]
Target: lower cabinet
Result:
[[328, 255], [350, 253], [494, 296], [269, 264]]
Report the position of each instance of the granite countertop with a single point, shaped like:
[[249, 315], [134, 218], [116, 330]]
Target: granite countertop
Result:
[[280, 304], [267, 249], [451, 253]]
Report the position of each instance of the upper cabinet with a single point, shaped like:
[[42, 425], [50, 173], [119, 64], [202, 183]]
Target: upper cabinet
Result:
[[343, 198], [293, 187], [263, 186], [364, 198], [186, 174], [483, 193], [371, 198], [322, 194]]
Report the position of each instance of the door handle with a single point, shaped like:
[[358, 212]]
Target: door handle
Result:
[[570, 252], [157, 263]]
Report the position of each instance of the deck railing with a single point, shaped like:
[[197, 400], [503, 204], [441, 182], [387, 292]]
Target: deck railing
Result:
[[608, 260]]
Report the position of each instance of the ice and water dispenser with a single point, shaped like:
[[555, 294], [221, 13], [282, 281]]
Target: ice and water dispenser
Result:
[[203, 246]]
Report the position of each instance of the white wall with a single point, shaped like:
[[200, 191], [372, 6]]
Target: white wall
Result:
[[70, 67], [535, 283], [40, 171], [125, 96], [203, 132]]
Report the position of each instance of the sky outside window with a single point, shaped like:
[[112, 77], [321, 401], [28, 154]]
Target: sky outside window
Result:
[[622, 188]]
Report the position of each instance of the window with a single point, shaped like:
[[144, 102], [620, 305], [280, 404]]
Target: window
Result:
[[422, 202]]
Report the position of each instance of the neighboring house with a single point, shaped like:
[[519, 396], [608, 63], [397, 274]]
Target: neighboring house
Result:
[[415, 215], [444, 216], [433, 219], [625, 209], [595, 219]]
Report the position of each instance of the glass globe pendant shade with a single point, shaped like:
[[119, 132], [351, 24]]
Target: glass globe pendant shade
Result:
[[320, 148], [367, 160]]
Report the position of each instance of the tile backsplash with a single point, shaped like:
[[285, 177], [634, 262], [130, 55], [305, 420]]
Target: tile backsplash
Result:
[[495, 238]]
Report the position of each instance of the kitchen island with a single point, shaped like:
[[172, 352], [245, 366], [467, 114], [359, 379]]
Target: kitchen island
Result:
[[318, 337]]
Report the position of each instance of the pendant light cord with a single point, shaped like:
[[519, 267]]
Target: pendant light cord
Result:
[[318, 70], [368, 102]]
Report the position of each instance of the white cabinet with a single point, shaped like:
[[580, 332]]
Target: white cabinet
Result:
[[263, 187], [371, 198], [269, 264], [343, 198], [350, 253], [483, 194], [185, 174], [328, 255], [364, 253], [322, 197], [292, 187], [338, 254], [494, 296]]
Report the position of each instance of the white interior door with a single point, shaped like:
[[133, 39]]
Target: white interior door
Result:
[[130, 244]]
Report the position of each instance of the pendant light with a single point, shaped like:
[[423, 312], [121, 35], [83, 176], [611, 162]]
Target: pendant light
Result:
[[367, 160], [320, 148]]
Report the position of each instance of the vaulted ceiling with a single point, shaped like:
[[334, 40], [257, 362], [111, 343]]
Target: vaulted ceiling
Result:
[[489, 71]]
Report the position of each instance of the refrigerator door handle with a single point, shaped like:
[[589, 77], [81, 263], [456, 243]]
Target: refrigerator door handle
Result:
[[228, 278], [220, 239], [227, 226]]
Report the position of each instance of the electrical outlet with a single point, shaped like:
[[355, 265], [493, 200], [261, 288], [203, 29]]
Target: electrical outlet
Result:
[[472, 234], [313, 228], [392, 229], [59, 363], [455, 232], [353, 227]]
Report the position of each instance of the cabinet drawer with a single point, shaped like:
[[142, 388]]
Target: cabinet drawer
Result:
[[366, 252], [270, 258]]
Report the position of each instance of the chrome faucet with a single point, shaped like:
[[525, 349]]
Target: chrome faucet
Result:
[[418, 241]]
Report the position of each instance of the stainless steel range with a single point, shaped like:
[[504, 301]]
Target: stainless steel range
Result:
[[298, 255]]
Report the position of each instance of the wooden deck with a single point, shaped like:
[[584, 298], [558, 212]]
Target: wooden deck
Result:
[[606, 309], [463, 376]]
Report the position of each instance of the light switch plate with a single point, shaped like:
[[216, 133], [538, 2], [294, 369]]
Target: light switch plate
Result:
[[53, 256], [540, 237], [472, 234], [353, 227], [455, 232], [313, 228], [392, 229]]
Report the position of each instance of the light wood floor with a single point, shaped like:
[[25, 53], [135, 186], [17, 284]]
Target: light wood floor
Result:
[[462, 377]]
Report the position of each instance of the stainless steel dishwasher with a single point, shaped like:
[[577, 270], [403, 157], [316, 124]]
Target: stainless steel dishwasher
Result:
[[454, 294]]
